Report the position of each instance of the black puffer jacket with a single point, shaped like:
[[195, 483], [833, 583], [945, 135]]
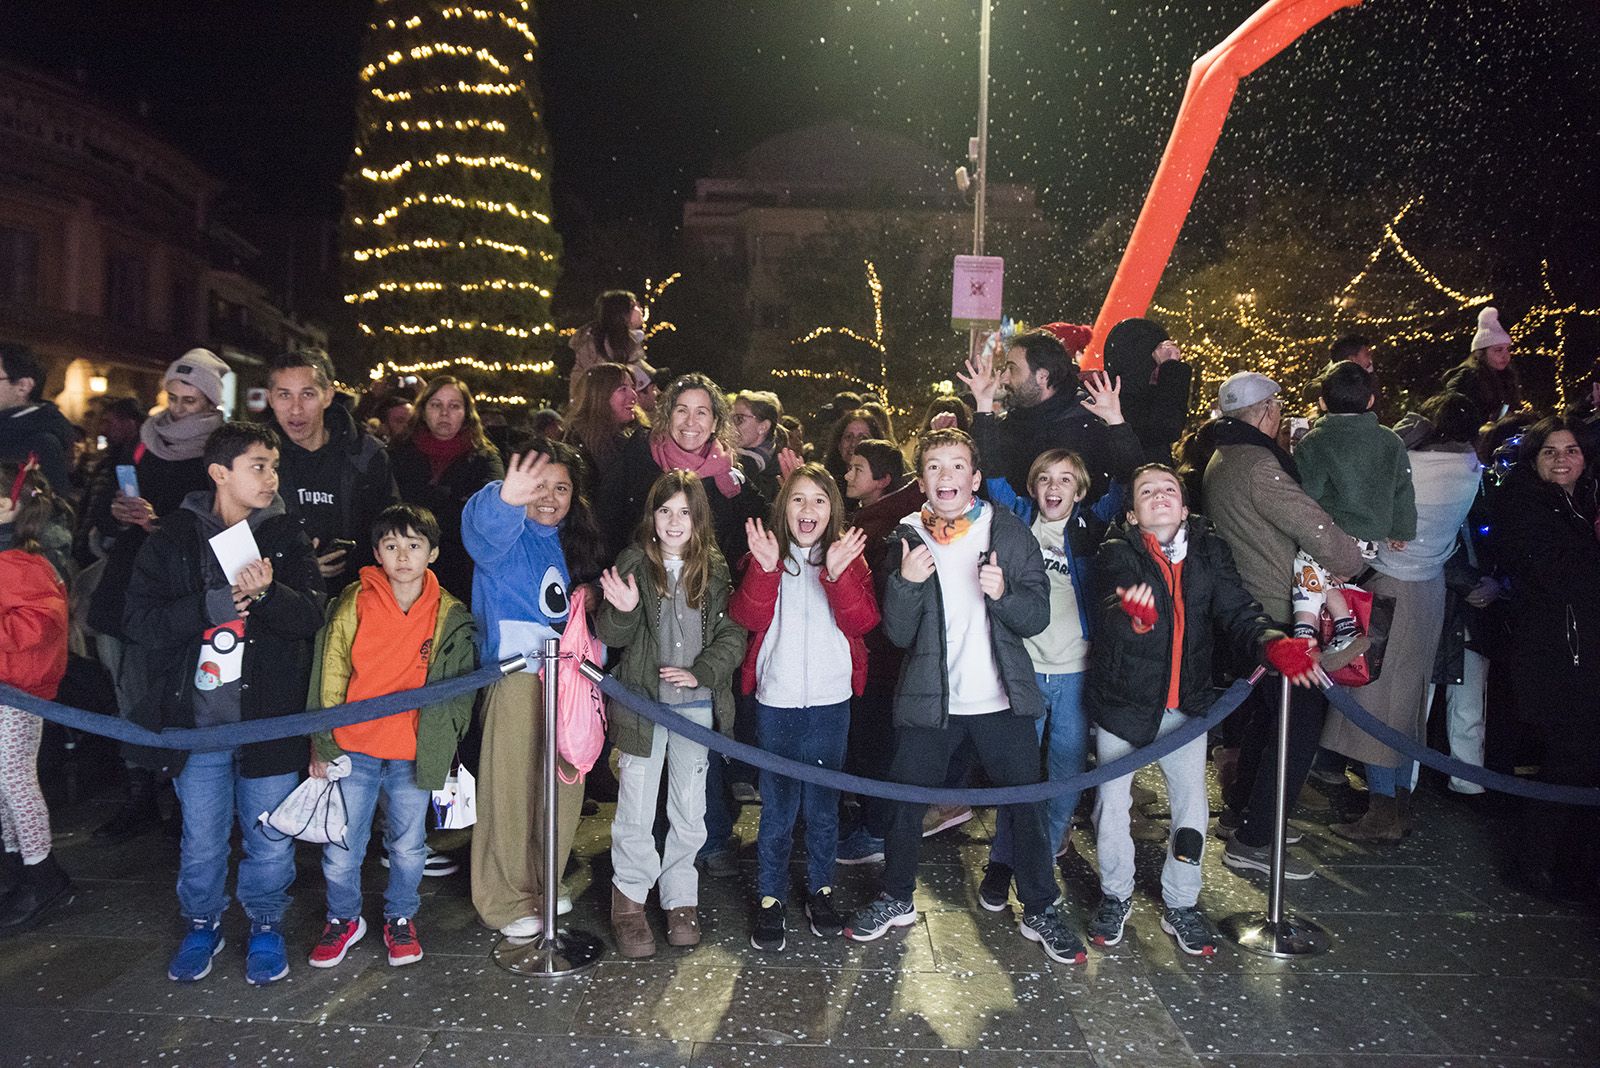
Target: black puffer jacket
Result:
[[1155, 397], [445, 499], [39, 428], [913, 619], [166, 618], [1129, 674], [1545, 544], [1008, 444]]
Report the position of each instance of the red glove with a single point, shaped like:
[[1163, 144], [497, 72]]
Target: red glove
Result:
[[1291, 656], [1142, 614]]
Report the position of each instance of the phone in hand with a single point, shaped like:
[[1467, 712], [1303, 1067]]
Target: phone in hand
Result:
[[128, 480], [346, 544]]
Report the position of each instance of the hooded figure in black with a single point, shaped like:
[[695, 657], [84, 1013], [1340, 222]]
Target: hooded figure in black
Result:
[[1155, 388]]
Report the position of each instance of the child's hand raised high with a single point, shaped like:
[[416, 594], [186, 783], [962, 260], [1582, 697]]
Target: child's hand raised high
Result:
[[846, 548], [1139, 604], [522, 478], [621, 594], [763, 544], [1105, 397], [788, 462]]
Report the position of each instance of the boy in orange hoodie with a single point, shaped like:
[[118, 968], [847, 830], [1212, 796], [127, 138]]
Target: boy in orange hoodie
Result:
[[395, 629]]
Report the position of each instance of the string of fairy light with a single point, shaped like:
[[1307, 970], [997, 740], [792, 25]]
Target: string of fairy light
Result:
[[443, 39], [1291, 346], [875, 342]]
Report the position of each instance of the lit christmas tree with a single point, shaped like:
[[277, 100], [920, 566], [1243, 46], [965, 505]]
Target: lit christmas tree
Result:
[[449, 248]]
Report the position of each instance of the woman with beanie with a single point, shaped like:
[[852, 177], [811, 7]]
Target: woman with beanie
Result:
[[168, 466], [1155, 384], [439, 462], [1486, 377]]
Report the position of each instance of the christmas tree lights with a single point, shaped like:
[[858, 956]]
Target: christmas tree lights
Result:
[[450, 253], [875, 342]]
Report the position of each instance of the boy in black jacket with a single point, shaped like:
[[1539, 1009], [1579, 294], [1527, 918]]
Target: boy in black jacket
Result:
[[963, 583], [1166, 584], [217, 652]]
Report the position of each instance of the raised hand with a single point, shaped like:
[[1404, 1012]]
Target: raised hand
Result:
[[981, 379], [522, 478], [1139, 604], [788, 462], [1105, 397], [846, 548], [621, 594], [915, 564], [991, 580], [763, 544]]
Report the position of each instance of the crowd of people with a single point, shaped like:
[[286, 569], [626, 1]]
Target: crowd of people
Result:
[[1056, 564]]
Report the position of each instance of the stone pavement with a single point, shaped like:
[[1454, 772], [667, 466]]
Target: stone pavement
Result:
[[1433, 964]]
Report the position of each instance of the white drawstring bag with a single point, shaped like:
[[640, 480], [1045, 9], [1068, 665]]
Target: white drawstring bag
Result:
[[313, 812], [456, 806]]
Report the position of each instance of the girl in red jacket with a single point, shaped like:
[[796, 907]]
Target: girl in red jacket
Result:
[[33, 657], [806, 597]]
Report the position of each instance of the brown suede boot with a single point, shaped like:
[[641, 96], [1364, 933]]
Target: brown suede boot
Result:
[[1380, 824], [683, 926], [629, 926]]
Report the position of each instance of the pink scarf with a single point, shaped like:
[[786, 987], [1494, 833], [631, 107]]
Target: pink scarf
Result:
[[709, 463]]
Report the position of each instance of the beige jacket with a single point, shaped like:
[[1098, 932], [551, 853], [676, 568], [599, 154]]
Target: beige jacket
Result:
[[1265, 516]]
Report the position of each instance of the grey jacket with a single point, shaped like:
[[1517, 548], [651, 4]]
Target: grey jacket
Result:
[[1265, 516], [913, 619]]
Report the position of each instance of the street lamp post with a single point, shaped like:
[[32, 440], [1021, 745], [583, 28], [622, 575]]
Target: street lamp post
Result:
[[981, 158]]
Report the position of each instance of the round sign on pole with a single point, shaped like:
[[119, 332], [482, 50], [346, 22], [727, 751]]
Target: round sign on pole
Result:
[[255, 399]]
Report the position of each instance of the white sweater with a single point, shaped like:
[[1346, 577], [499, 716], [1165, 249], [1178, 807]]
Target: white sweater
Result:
[[975, 686], [804, 660]]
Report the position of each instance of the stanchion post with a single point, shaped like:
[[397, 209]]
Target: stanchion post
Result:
[[553, 952], [1273, 933]]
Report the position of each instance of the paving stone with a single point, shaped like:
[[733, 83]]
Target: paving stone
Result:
[[114, 1038], [1468, 1015], [978, 1010], [551, 1051], [726, 1055]]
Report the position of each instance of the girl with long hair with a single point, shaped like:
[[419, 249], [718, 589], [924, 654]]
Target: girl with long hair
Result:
[[615, 335], [807, 599], [604, 413], [666, 608]]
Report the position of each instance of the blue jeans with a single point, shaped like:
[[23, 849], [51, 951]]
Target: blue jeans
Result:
[[210, 791], [814, 736], [722, 811], [1382, 781], [1065, 729], [405, 813]]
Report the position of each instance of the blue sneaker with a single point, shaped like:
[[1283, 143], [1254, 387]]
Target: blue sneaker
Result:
[[860, 847], [267, 958], [192, 962]]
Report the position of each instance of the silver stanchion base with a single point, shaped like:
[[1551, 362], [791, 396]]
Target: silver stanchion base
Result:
[[1294, 936], [566, 953]]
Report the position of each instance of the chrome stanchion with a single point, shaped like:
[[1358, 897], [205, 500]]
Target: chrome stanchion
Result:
[[553, 952], [1274, 933]]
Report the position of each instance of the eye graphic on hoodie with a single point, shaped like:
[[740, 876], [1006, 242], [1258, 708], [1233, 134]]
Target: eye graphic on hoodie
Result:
[[553, 594]]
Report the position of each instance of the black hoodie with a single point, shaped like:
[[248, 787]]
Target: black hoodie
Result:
[[337, 491], [40, 428], [1155, 397]]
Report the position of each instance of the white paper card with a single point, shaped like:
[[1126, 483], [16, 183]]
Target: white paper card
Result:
[[235, 548]]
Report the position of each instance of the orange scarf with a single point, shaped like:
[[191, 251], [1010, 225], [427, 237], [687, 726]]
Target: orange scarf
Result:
[[1172, 576], [944, 531]]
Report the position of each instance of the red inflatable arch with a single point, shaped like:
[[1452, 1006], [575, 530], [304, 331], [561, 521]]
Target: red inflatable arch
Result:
[[1213, 80]]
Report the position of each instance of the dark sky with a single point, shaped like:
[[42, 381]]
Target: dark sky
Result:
[[1490, 107]]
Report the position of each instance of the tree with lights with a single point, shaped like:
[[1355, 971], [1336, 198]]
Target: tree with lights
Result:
[[450, 253]]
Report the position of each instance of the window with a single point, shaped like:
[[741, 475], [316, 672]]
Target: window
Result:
[[127, 288], [19, 265]]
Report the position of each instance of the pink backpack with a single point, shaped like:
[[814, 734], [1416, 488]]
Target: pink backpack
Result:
[[580, 710]]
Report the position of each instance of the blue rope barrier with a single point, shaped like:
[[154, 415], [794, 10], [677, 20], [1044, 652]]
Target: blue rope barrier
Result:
[[665, 716], [232, 735], [1406, 746]]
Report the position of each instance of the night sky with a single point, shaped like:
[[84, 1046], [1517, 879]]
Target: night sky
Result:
[[1489, 107]]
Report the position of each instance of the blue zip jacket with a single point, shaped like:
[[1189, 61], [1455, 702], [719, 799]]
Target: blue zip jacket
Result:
[[1089, 523], [519, 589]]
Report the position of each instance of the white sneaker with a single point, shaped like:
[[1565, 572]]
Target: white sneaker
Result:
[[527, 927], [563, 905]]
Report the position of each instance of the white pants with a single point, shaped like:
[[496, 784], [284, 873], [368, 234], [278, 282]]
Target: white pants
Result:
[[636, 866], [1464, 716], [1185, 772]]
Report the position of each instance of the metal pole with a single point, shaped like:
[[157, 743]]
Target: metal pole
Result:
[[1274, 934], [553, 952], [980, 193]]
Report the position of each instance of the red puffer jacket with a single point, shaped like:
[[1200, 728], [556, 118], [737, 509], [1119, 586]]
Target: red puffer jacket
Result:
[[854, 604], [33, 624]]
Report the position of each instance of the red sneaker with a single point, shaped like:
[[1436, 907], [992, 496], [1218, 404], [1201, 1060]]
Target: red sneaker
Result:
[[337, 938], [400, 935]]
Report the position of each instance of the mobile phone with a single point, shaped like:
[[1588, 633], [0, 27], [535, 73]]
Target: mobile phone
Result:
[[1299, 426], [128, 480], [342, 543]]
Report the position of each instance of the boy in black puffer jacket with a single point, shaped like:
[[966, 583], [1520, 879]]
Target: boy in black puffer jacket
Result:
[[1165, 585]]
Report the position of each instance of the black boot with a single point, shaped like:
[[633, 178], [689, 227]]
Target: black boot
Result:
[[137, 814], [43, 885], [10, 872]]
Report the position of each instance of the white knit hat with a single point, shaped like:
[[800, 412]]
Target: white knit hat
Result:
[[202, 369], [1490, 332]]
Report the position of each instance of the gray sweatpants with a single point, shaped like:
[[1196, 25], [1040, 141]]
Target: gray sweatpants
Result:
[[635, 864], [1185, 772]]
